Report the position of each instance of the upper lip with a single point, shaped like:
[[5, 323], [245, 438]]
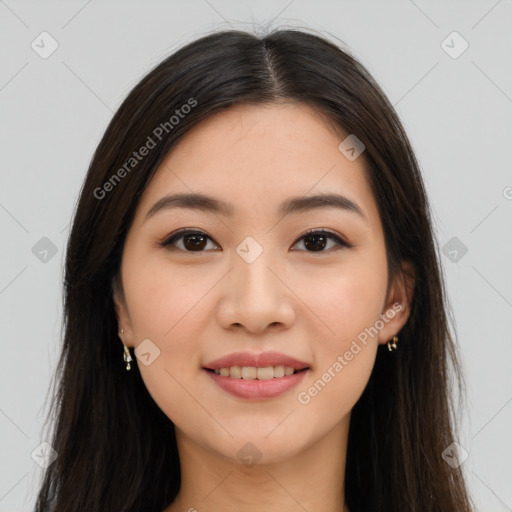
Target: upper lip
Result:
[[257, 360]]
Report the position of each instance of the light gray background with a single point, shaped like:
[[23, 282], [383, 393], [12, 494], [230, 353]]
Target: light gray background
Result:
[[457, 112]]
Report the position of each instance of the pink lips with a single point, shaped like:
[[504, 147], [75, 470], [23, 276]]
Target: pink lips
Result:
[[257, 360], [257, 389]]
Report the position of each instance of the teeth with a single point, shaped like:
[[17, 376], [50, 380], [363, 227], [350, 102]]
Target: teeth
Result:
[[279, 371], [235, 372], [248, 372], [265, 373], [252, 373]]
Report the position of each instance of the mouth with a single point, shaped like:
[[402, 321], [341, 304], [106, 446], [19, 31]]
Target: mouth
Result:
[[256, 373], [256, 376], [256, 383]]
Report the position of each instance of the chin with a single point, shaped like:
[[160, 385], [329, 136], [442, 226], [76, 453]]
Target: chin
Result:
[[259, 449]]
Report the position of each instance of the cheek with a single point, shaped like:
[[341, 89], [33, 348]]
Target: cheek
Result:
[[346, 300], [167, 307], [338, 385], [348, 306], [163, 301], [168, 310]]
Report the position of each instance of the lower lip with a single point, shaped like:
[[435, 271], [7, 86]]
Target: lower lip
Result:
[[255, 388]]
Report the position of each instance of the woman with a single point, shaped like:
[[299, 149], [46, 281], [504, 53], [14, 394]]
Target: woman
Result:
[[255, 317]]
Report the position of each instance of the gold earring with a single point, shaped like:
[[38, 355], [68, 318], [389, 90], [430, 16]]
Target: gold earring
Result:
[[127, 357], [392, 343]]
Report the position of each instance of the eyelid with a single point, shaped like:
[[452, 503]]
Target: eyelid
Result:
[[169, 240], [341, 241], [331, 234]]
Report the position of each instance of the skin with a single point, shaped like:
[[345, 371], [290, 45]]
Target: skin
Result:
[[198, 306]]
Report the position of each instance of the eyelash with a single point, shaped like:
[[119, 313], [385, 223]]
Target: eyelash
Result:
[[188, 231]]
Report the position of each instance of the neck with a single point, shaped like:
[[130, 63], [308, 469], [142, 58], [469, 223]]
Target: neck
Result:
[[312, 479]]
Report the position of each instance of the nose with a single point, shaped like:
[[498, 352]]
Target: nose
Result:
[[255, 296]]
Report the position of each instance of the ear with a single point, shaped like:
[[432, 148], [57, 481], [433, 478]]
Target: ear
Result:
[[398, 302], [121, 311]]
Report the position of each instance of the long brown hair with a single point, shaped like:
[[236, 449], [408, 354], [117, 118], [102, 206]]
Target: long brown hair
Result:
[[116, 449]]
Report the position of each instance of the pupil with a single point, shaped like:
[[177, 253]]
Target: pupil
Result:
[[193, 242], [316, 238], [196, 243]]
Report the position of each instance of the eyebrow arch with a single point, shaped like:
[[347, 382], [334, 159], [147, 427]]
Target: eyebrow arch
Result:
[[210, 204]]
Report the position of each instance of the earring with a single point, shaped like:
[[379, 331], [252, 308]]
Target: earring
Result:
[[392, 343], [127, 357]]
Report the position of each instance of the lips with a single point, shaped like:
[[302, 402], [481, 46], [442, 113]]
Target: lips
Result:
[[262, 360], [255, 389], [256, 376]]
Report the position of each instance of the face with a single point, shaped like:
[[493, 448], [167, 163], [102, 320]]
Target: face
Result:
[[303, 282]]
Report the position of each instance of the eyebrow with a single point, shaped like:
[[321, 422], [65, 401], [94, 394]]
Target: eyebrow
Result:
[[210, 204]]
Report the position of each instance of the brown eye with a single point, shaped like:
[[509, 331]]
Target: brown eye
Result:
[[316, 241], [192, 241]]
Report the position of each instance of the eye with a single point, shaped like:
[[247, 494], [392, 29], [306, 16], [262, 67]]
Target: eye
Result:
[[316, 240], [192, 240]]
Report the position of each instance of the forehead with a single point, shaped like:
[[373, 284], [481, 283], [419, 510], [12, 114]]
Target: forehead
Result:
[[256, 156]]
